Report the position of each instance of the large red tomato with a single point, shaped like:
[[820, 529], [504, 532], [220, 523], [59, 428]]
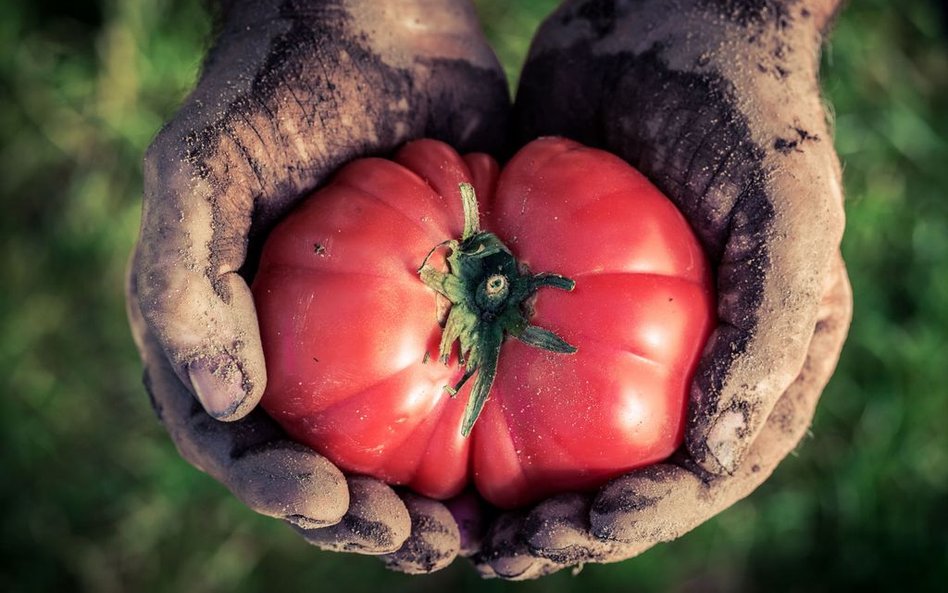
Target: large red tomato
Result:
[[351, 332]]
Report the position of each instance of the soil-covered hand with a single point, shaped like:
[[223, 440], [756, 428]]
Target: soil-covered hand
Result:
[[291, 90], [717, 102]]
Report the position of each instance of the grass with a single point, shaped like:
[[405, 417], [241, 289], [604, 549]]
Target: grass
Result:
[[95, 497]]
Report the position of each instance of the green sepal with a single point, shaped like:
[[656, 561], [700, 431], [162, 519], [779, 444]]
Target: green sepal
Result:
[[486, 370], [545, 339], [487, 288]]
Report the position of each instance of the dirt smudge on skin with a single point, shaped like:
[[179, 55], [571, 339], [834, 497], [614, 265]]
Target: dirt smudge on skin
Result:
[[787, 145], [352, 104], [750, 13]]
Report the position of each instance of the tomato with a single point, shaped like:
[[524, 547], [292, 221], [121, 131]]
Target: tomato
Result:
[[351, 330]]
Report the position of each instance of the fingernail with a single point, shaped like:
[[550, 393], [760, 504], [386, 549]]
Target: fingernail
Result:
[[306, 523], [218, 385], [725, 439], [553, 536]]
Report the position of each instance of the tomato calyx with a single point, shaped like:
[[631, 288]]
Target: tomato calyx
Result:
[[488, 289]]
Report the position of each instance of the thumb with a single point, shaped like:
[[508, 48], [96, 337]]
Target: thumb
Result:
[[193, 241]]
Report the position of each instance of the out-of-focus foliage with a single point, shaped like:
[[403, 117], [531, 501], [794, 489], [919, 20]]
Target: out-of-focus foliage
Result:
[[94, 497]]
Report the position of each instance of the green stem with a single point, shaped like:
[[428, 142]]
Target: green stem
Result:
[[472, 223], [487, 288]]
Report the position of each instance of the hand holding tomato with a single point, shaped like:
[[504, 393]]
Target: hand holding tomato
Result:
[[719, 106], [290, 91]]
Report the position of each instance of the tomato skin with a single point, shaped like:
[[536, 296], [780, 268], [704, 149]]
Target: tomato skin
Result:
[[346, 322]]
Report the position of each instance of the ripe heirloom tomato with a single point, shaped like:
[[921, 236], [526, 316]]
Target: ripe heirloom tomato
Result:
[[351, 329]]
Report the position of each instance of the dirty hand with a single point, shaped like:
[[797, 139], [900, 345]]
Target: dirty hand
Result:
[[290, 91], [718, 103]]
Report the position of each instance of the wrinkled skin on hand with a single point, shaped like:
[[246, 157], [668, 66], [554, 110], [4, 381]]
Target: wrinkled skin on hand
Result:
[[717, 101]]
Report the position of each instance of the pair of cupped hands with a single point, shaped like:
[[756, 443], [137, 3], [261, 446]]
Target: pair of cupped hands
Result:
[[716, 101]]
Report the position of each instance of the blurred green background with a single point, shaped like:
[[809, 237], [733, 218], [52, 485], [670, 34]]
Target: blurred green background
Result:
[[94, 497]]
